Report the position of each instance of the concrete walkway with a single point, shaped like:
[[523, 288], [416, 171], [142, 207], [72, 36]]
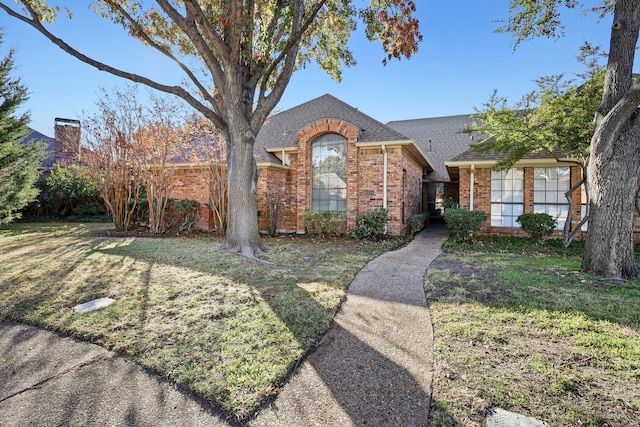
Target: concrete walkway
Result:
[[373, 368]]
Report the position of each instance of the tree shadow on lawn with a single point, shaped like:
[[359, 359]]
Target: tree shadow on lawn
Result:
[[369, 387], [534, 336], [534, 287], [298, 304], [40, 274]]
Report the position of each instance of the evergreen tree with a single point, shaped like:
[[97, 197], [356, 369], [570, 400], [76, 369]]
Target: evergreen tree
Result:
[[18, 163]]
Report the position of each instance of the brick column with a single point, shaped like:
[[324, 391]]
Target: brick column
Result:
[[305, 138]]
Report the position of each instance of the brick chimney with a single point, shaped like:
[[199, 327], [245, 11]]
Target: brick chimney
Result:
[[67, 141]]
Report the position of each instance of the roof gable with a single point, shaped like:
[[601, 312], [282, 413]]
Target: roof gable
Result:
[[49, 145], [281, 130]]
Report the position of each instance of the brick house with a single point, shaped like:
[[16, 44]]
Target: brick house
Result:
[[536, 183], [325, 155]]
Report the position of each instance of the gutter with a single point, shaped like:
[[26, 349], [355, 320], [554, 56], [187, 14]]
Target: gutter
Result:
[[384, 177], [384, 182], [472, 178]]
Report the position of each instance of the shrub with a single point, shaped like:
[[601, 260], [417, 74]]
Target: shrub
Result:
[[323, 222], [463, 224], [187, 211], [69, 193], [538, 225], [417, 222], [140, 215], [372, 225], [450, 203]]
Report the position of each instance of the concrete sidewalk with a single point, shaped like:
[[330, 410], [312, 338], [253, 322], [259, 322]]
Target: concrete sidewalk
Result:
[[373, 368]]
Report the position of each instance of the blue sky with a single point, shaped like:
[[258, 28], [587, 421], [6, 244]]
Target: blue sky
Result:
[[460, 62]]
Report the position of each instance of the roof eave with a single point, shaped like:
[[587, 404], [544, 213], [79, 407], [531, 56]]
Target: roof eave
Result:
[[271, 165], [407, 144], [520, 163]]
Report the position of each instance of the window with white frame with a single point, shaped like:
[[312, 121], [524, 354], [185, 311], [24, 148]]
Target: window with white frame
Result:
[[507, 197], [549, 188]]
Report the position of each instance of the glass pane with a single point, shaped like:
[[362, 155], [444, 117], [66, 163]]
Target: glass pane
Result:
[[539, 197], [564, 179], [329, 171], [517, 173], [518, 196], [517, 184], [539, 185], [540, 174], [517, 210], [497, 175]]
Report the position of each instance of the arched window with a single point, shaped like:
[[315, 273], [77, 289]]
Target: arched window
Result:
[[329, 173]]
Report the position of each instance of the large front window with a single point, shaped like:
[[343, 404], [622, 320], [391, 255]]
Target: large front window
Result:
[[549, 186], [507, 197], [329, 169]]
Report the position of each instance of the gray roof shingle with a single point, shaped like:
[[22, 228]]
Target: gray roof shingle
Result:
[[470, 156], [440, 139], [48, 142], [281, 130]]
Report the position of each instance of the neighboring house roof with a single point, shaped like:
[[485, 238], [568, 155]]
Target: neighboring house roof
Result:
[[200, 151], [281, 130], [439, 138], [48, 142]]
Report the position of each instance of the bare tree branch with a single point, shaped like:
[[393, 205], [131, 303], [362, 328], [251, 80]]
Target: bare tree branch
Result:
[[142, 34], [174, 90], [266, 103]]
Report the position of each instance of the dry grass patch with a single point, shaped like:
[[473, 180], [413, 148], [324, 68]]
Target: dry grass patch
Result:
[[533, 335], [227, 328]]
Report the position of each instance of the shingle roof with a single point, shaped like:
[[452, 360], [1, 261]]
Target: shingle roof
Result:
[[281, 130], [440, 139], [48, 142], [470, 155]]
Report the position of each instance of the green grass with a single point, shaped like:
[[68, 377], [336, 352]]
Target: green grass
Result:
[[528, 332], [225, 327]]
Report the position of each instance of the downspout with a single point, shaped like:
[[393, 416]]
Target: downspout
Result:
[[384, 177], [471, 179], [384, 182]]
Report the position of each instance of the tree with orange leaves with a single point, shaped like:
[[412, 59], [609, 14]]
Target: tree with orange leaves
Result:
[[245, 53]]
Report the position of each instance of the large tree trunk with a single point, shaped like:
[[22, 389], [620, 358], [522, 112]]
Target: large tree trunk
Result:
[[609, 248], [242, 229], [615, 155]]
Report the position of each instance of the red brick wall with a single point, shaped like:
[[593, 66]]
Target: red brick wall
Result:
[[66, 146], [371, 185], [194, 183], [403, 190], [371, 170], [451, 190], [271, 181], [482, 199]]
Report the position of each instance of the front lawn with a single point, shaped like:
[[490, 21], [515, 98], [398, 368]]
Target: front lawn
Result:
[[225, 327], [522, 329]]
